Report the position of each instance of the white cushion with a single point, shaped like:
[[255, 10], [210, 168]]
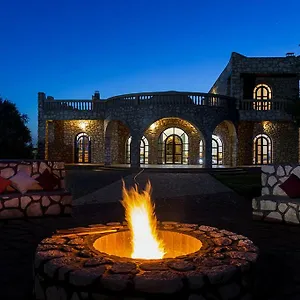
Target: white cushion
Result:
[[22, 182]]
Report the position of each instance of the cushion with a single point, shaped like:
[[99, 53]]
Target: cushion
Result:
[[48, 181], [4, 183], [10, 189], [291, 186], [22, 182], [35, 187]]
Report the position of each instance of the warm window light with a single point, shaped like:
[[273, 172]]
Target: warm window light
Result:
[[82, 125]]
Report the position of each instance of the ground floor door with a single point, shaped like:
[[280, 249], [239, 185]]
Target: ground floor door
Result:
[[173, 149], [82, 149]]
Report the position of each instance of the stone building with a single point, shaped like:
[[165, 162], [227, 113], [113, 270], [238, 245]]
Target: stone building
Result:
[[243, 120]]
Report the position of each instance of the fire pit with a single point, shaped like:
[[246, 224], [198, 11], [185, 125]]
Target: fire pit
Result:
[[104, 261]]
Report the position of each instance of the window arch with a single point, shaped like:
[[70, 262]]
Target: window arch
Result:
[[82, 148], [262, 150], [173, 146], [217, 150], [262, 93], [144, 150]]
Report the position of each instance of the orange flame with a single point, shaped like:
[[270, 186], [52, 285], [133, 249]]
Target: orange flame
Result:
[[142, 223]]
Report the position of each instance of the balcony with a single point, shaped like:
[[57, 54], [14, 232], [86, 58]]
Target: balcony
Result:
[[258, 110], [153, 99]]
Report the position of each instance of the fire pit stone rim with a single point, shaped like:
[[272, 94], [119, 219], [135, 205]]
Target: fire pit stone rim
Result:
[[68, 256]]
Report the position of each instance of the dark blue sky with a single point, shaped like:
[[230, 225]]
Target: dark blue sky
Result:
[[69, 49]]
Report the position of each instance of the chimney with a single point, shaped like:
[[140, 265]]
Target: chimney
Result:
[[96, 96]]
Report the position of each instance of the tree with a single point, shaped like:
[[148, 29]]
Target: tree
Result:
[[15, 138]]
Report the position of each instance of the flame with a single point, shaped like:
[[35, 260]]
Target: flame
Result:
[[142, 223]]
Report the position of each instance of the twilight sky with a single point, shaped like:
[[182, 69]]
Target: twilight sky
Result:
[[69, 49]]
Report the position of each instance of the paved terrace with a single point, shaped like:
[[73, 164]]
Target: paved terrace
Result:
[[194, 199]]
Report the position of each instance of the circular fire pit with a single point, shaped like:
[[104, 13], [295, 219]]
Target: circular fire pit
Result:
[[93, 262]]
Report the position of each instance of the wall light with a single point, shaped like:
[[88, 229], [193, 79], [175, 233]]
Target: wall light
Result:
[[82, 125]]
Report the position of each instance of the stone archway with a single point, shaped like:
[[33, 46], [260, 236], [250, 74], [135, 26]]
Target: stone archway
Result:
[[157, 149], [116, 134], [226, 139]]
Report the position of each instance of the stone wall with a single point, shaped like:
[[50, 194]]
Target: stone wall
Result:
[[274, 204], [61, 139], [116, 135], [226, 132], [284, 136], [223, 83], [34, 203], [273, 66], [282, 87], [283, 75]]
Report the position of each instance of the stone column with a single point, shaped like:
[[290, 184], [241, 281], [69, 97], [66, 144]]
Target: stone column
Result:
[[107, 151], [194, 144], [208, 152], [135, 151], [41, 126]]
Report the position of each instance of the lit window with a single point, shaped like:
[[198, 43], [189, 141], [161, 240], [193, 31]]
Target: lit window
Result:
[[144, 150], [262, 150], [201, 152], [262, 94], [217, 150], [173, 146], [82, 148]]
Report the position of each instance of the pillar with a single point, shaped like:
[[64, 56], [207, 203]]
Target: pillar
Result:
[[135, 151], [107, 151], [208, 152]]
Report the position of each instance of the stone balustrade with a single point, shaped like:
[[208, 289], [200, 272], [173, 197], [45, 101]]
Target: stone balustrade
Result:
[[263, 105], [156, 98]]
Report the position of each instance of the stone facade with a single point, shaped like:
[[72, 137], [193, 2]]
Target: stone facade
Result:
[[61, 135], [284, 137], [227, 111], [274, 204]]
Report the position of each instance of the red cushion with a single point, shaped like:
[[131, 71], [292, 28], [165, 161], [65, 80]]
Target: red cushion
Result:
[[48, 181], [4, 183], [291, 186]]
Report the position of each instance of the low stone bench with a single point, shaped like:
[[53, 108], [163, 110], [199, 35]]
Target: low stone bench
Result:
[[34, 203], [274, 204]]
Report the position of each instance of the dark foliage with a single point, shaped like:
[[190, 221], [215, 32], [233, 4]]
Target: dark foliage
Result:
[[15, 138]]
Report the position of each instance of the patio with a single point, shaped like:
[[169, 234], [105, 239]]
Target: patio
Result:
[[277, 275]]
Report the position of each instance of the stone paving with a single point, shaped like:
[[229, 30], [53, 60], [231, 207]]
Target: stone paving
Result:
[[277, 274], [164, 185]]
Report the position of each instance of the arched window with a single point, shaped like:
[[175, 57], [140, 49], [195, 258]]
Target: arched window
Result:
[[217, 150], [201, 152], [82, 148], [262, 150], [128, 150], [263, 94], [173, 146], [144, 150]]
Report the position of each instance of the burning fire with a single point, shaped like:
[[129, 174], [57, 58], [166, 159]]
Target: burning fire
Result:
[[142, 223]]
